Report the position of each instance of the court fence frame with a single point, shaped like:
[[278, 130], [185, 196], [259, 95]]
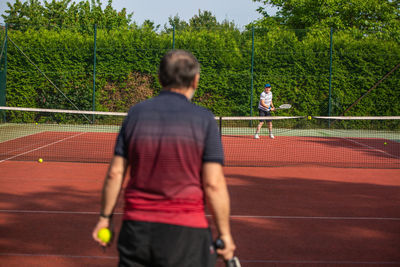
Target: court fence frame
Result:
[[332, 104]]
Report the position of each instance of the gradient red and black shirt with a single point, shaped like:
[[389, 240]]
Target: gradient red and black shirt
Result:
[[166, 140]]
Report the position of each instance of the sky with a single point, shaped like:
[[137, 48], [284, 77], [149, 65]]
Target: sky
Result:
[[241, 12]]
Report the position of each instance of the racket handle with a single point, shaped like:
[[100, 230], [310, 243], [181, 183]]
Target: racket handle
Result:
[[219, 244], [234, 262]]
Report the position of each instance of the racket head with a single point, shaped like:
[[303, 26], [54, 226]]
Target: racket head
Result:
[[285, 106]]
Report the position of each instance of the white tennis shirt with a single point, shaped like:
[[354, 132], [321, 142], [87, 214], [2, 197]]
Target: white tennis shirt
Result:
[[267, 97]]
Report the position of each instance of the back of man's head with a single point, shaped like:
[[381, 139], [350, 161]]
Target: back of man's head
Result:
[[178, 69]]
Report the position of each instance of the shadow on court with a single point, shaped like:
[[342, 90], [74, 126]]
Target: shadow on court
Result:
[[316, 216], [280, 216]]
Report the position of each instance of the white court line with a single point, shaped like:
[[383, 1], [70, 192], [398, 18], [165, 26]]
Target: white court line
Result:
[[57, 255], [232, 216], [370, 147], [25, 146], [32, 150], [316, 218], [49, 212], [56, 212], [323, 262], [241, 260], [22, 147]]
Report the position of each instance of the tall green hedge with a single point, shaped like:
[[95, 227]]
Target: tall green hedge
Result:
[[296, 63]]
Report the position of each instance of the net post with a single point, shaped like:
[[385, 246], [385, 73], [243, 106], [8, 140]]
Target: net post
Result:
[[94, 72], [220, 126]]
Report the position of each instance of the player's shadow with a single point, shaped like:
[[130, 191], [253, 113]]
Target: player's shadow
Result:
[[274, 220], [371, 147], [291, 220], [51, 220]]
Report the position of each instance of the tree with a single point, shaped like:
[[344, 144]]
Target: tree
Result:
[[340, 14], [23, 14], [177, 23], [64, 13], [205, 19], [149, 24], [56, 12]]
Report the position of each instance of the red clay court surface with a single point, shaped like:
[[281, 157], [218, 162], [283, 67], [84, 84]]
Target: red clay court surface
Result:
[[94, 147], [291, 216], [303, 214]]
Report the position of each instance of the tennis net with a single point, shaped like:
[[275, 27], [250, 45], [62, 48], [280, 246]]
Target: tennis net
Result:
[[86, 136]]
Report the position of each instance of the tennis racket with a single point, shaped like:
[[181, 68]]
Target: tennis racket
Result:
[[284, 106], [234, 262]]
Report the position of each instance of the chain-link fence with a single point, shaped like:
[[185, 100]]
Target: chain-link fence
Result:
[[319, 72]]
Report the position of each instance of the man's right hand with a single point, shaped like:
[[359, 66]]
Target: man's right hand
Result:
[[102, 223], [227, 252]]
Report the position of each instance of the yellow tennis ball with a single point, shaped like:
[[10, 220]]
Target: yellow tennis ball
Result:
[[40, 160], [385, 143], [309, 117], [104, 235]]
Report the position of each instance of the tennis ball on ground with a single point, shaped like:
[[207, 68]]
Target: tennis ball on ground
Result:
[[40, 160], [104, 235]]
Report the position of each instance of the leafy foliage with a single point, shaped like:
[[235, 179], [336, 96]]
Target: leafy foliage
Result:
[[295, 62], [373, 15], [57, 14]]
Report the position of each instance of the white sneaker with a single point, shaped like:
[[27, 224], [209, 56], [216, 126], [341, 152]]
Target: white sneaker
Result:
[[256, 136], [271, 136]]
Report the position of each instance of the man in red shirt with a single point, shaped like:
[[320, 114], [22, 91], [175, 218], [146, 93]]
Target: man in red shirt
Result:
[[175, 155]]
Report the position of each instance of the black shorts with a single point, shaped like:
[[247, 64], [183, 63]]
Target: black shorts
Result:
[[263, 113], [158, 244]]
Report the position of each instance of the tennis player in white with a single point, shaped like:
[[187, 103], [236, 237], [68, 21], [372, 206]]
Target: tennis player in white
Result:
[[265, 106]]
